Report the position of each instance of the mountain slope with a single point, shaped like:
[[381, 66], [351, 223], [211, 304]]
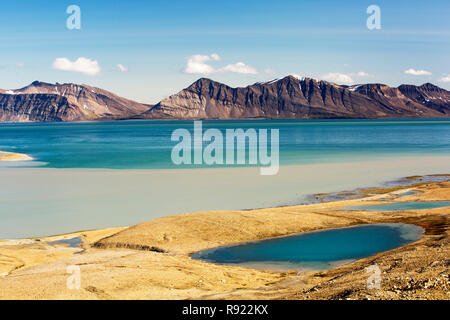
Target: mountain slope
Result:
[[64, 102], [429, 95], [291, 97]]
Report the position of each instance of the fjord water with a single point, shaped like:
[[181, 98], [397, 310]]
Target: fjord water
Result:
[[315, 250], [147, 144], [107, 174]]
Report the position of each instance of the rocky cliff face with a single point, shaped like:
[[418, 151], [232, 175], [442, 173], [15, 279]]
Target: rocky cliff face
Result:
[[64, 102], [36, 107], [291, 97]]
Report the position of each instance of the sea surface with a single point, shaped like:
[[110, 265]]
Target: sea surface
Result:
[[148, 145], [106, 174]]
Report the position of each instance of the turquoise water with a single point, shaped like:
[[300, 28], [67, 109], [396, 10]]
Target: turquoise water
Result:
[[400, 206], [315, 250], [67, 190], [147, 144], [408, 193]]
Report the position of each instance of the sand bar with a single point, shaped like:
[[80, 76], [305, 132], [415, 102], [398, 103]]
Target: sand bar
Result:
[[13, 156]]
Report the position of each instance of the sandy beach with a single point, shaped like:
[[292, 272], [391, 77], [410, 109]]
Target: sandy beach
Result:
[[12, 156], [152, 260]]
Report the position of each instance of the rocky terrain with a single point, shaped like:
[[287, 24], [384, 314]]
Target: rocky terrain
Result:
[[43, 102], [303, 98], [430, 95]]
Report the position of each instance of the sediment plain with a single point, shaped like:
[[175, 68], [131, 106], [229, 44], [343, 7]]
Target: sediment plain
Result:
[[152, 260]]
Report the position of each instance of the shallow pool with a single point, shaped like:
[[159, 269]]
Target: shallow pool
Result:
[[317, 250], [401, 206], [408, 193], [72, 242]]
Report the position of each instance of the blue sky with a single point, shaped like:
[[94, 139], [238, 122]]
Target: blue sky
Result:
[[164, 46]]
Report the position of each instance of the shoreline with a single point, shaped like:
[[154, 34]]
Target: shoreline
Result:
[[237, 119], [355, 194], [95, 199], [13, 157], [154, 257], [337, 207], [351, 195], [391, 188]]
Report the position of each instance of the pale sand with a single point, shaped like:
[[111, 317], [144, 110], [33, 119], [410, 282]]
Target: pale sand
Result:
[[12, 156], [111, 271], [20, 253]]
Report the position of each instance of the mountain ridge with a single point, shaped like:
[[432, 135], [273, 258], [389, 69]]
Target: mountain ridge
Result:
[[285, 98], [41, 102], [301, 98]]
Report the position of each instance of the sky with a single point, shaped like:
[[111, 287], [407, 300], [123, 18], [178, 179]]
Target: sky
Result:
[[148, 50]]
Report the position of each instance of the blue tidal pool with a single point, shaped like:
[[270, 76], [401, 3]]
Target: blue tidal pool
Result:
[[72, 243], [400, 206], [317, 250], [408, 193]]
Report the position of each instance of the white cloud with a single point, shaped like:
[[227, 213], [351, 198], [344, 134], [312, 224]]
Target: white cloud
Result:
[[238, 67], [414, 72], [215, 57], [122, 68], [197, 64], [339, 78], [83, 65], [361, 74], [345, 78], [20, 64], [445, 78]]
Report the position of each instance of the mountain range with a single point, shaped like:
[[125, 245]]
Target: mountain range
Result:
[[287, 98]]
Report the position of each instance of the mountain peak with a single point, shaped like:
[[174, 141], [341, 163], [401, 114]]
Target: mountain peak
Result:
[[294, 97], [295, 77], [41, 101], [204, 83], [430, 86], [286, 79], [38, 83]]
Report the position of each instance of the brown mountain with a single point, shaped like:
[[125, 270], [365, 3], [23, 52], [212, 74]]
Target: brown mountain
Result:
[[429, 95], [289, 97], [64, 102], [304, 98]]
